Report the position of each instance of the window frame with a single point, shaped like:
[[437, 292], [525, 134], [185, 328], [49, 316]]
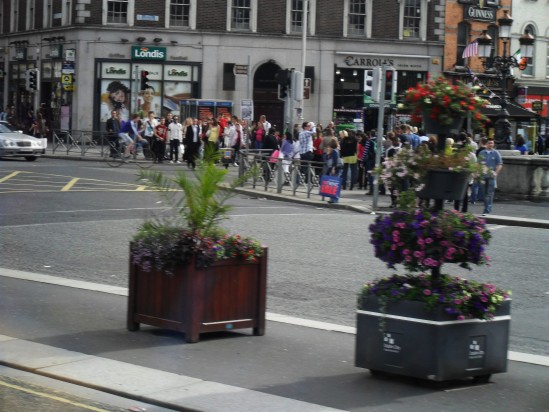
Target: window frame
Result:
[[311, 27], [192, 16], [47, 20], [67, 9], [31, 15], [130, 13], [367, 20], [14, 16], [422, 35], [462, 41], [253, 17]]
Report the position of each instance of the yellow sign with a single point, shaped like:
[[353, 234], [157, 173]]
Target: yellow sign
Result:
[[68, 87], [66, 79]]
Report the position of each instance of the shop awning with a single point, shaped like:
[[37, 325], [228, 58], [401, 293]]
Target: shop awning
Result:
[[493, 109]]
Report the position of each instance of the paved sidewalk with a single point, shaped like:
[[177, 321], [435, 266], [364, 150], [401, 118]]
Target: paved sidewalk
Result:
[[291, 368]]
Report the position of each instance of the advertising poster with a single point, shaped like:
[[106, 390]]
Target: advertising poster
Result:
[[115, 95], [174, 92]]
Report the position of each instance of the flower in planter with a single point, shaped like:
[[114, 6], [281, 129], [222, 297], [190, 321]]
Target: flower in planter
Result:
[[457, 296], [421, 240], [443, 101], [200, 207], [415, 164]]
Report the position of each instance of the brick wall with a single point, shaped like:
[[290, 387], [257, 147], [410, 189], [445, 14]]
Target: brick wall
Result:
[[329, 18], [211, 15], [385, 19], [271, 16]]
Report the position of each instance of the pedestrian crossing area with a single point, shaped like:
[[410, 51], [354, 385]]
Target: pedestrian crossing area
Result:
[[24, 181]]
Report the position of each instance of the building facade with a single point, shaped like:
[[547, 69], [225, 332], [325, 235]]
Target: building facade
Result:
[[91, 54], [465, 22]]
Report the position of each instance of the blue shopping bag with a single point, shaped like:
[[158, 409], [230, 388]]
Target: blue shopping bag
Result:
[[330, 186]]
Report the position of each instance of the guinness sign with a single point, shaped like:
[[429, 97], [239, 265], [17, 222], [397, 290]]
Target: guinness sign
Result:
[[482, 11]]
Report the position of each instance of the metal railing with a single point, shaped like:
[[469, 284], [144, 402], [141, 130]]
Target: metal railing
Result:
[[257, 169], [80, 141]]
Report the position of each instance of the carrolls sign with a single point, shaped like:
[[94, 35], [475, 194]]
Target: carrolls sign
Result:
[[148, 53]]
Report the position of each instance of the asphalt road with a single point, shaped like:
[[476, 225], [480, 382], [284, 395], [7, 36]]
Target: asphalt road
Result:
[[51, 223]]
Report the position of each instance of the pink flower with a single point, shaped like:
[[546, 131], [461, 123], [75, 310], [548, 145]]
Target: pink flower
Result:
[[429, 240], [427, 292], [461, 317], [406, 252]]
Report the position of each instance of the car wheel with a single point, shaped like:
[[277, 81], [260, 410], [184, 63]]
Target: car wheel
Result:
[[30, 158]]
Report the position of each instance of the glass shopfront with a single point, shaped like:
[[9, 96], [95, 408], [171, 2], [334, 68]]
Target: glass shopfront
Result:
[[119, 88]]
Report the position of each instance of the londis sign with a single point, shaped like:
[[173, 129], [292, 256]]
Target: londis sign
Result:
[[148, 53]]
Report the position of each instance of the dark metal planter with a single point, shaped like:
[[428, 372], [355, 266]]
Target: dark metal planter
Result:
[[433, 126], [443, 184], [229, 294], [413, 342]]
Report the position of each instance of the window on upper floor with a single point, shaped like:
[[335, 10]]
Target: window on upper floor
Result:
[[357, 13], [47, 18], [117, 11], [241, 14], [295, 16], [413, 19], [547, 69], [529, 71], [31, 13], [14, 18], [462, 42], [67, 13], [180, 13]]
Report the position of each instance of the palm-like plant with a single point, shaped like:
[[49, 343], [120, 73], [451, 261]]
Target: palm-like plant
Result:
[[200, 204]]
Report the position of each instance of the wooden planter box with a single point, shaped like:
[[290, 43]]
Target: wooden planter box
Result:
[[430, 345], [230, 294]]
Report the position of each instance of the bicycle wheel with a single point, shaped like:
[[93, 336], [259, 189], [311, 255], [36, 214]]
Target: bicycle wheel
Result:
[[113, 157]]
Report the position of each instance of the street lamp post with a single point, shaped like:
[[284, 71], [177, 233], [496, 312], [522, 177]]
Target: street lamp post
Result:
[[503, 65]]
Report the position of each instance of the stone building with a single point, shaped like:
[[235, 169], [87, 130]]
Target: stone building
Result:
[[87, 51]]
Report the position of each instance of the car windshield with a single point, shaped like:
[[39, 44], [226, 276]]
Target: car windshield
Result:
[[5, 128]]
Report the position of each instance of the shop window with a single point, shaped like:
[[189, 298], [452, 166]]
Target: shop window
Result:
[[229, 77]]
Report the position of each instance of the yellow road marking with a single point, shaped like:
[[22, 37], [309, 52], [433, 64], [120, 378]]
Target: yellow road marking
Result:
[[68, 186], [53, 397], [9, 177]]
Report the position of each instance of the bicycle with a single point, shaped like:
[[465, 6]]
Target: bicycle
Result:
[[114, 155]]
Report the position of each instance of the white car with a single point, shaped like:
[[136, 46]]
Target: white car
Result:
[[14, 143]]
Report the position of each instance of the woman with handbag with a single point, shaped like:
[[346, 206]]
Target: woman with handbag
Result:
[[333, 165]]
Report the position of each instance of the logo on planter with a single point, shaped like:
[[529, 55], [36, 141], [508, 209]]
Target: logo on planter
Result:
[[477, 351], [389, 343]]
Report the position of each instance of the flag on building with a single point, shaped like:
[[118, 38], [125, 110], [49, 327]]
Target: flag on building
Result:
[[471, 50]]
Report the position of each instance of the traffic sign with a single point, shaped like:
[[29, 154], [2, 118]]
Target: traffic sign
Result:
[[537, 106], [66, 79]]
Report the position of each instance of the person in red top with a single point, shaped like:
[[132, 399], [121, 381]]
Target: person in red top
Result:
[[318, 153], [159, 144]]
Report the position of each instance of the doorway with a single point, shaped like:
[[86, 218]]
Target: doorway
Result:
[[266, 95]]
